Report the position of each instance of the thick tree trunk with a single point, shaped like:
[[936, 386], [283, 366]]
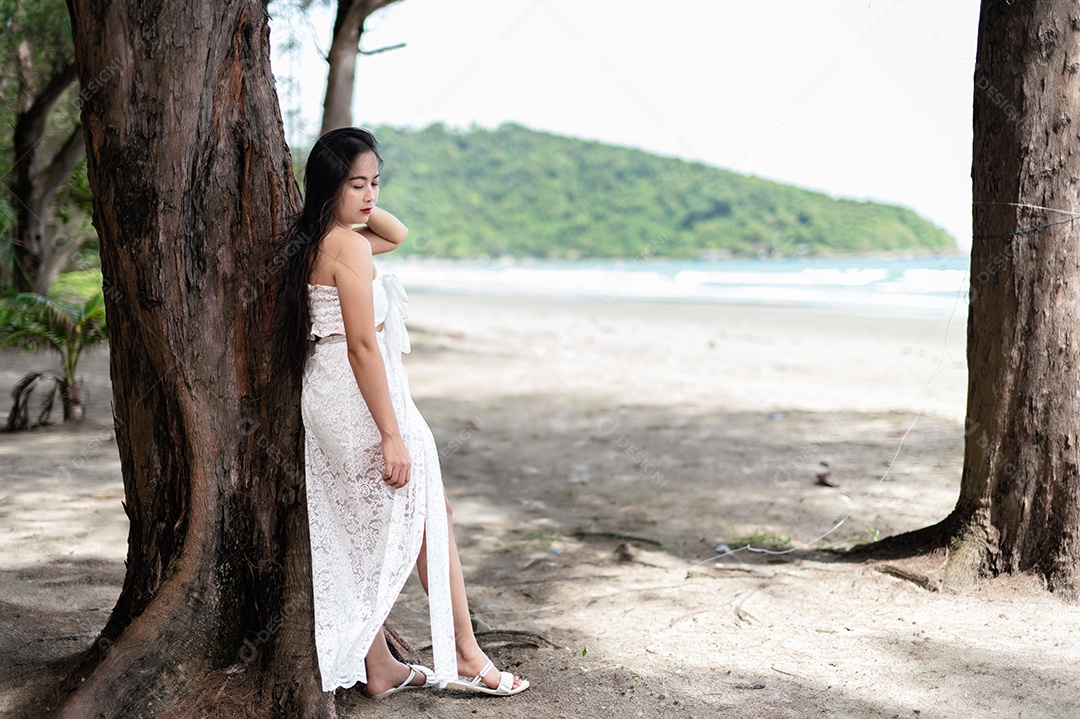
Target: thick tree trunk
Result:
[[192, 184], [344, 47], [1019, 501], [1019, 504]]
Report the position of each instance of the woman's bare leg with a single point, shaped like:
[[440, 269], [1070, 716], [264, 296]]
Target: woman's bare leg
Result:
[[383, 671], [470, 657]]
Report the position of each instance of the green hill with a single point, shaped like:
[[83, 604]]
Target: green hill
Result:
[[515, 191]]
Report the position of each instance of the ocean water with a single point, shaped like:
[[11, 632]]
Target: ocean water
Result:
[[922, 285]]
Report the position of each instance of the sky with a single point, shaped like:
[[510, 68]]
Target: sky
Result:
[[867, 99]]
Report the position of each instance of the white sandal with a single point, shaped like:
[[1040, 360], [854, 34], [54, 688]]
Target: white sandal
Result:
[[429, 681], [476, 684]]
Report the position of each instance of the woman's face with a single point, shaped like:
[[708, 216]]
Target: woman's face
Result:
[[360, 191]]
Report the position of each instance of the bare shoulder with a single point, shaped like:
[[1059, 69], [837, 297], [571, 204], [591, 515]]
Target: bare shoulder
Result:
[[349, 255], [340, 242]]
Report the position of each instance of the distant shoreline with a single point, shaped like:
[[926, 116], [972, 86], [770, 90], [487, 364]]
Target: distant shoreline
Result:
[[809, 309], [922, 285], [702, 257]]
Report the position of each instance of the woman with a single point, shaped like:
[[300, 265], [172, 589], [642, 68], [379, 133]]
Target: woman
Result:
[[374, 488]]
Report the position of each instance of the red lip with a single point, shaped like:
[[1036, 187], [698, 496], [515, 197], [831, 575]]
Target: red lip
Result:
[[367, 210]]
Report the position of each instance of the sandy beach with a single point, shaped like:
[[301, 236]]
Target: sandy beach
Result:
[[756, 358], [597, 454]]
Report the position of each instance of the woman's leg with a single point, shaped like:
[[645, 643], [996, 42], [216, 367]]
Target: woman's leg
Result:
[[383, 671], [470, 657]]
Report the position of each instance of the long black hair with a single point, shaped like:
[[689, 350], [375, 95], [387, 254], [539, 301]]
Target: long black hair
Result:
[[325, 174]]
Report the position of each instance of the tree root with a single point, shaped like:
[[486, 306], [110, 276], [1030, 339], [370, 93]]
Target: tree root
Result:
[[908, 544], [514, 638], [399, 648], [509, 639], [223, 694], [970, 554], [968, 540], [916, 578], [160, 656]]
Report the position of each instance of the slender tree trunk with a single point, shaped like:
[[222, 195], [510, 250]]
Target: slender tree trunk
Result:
[[192, 186], [344, 47], [30, 241], [1019, 504], [34, 183], [71, 401]]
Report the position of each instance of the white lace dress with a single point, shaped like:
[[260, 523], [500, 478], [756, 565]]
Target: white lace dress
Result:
[[365, 535]]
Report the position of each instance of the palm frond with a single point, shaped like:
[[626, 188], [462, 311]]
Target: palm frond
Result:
[[60, 319], [91, 321], [32, 336], [19, 417], [21, 325], [36, 322]]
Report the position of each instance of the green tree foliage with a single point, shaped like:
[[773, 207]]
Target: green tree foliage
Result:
[[514, 191], [35, 36], [36, 322]]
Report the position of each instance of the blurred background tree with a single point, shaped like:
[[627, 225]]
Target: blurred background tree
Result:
[[344, 47], [45, 212]]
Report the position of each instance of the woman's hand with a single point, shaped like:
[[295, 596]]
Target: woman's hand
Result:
[[398, 467]]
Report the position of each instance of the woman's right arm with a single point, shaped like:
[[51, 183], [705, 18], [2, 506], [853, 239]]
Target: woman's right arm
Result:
[[352, 275], [383, 231]]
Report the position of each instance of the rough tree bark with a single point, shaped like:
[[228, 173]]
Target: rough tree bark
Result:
[[345, 46], [192, 184], [1019, 504]]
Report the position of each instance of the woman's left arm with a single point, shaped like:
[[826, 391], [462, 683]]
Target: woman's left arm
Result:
[[384, 231]]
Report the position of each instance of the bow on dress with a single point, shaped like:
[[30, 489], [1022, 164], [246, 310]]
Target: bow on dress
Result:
[[397, 309]]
